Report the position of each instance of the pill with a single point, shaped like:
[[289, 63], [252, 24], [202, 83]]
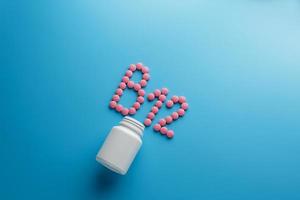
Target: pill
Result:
[[112, 104], [175, 115], [139, 66], [162, 122], [125, 111], [169, 119], [116, 98], [180, 112], [119, 108], [141, 92], [137, 87], [181, 99], [122, 85], [150, 115], [157, 92], [175, 99], [170, 133], [164, 91], [157, 127], [147, 122], [169, 104], [132, 110], [140, 99], [184, 106], [136, 105], [163, 130], [130, 84], [151, 96], [119, 91], [146, 76], [154, 109], [125, 79], [132, 67], [162, 97], [158, 104], [128, 73], [143, 83], [145, 69]]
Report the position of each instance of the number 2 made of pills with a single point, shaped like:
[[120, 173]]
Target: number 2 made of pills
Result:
[[158, 95]]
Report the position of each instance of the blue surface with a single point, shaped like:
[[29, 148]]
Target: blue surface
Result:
[[237, 62]]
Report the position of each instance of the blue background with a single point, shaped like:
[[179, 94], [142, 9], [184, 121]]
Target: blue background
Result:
[[237, 62]]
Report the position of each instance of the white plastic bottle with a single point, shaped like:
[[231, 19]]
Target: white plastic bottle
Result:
[[121, 145]]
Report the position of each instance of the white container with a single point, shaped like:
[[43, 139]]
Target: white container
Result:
[[121, 145]]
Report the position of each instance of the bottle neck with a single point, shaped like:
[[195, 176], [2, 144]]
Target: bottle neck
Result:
[[133, 125]]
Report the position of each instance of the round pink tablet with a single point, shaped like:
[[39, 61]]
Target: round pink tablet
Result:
[[128, 73], [125, 111], [164, 91], [151, 96], [158, 104], [132, 67], [162, 97], [119, 91], [147, 122], [136, 105], [119, 108], [116, 98], [157, 92], [140, 99], [180, 112], [162, 122], [112, 104], [145, 69], [181, 99], [175, 99], [137, 87], [132, 111], [157, 127], [141, 92], [154, 109], [150, 115], [184, 106], [130, 84], [125, 79], [163, 130], [170, 133], [139, 66], [146, 76], [175, 115], [169, 119], [170, 104], [122, 85], [143, 83]]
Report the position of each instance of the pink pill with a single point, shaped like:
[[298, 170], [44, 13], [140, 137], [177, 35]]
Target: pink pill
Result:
[[130, 84], [122, 85], [140, 99], [158, 104], [154, 109], [139, 66], [175, 99], [116, 98], [151, 96], [137, 105], [162, 122], [145, 69], [157, 92], [175, 115], [162, 97], [184, 106], [143, 83], [180, 112], [137, 87], [125, 111], [181, 99], [125, 79], [169, 119], [119, 108], [170, 104], [132, 67], [157, 127], [170, 133], [147, 122], [163, 130], [164, 91], [119, 91], [150, 115], [141, 92], [112, 104], [146, 76], [132, 111], [128, 73]]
